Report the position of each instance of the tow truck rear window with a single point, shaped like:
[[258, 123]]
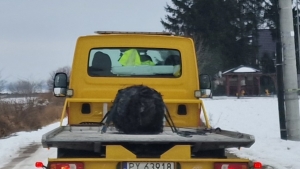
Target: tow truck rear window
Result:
[[134, 62]]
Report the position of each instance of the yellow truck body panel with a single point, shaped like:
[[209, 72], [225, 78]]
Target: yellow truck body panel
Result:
[[86, 86], [180, 155]]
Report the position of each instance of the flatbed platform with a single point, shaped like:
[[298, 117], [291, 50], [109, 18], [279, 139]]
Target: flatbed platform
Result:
[[87, 136]]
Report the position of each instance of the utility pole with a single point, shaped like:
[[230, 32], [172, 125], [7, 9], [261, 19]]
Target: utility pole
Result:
[[279, 75], [280, 91], [289, 70], [297, 9]]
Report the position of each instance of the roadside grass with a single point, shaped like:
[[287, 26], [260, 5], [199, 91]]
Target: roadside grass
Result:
[[28, 113]]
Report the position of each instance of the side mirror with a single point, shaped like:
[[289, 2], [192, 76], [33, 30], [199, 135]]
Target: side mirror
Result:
[[205, 86], [205, 82], [60, 84]]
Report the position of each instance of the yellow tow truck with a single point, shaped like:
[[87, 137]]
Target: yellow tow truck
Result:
[[105, 64]]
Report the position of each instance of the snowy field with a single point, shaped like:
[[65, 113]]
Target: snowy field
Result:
[[16, 99], [256, 116], [259, 117]]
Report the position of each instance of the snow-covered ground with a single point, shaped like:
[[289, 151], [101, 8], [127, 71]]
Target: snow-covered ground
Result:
[[259, 117], [16, 99], [256, 116], [11, 147], [24, 100]]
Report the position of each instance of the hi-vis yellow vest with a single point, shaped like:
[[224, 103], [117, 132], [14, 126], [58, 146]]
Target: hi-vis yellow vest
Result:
[[130, 58]]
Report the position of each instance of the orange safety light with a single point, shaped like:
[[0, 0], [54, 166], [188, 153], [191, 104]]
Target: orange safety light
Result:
[[65, 167]]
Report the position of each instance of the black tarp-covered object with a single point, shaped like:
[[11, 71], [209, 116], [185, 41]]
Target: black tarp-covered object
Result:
[[138, 110]]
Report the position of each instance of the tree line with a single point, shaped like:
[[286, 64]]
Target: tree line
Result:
[[225, 32], [27, 87]]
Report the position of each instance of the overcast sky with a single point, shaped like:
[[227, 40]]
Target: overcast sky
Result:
[[39, 36]]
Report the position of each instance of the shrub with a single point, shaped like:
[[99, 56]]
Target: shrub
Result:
[[28, 113]]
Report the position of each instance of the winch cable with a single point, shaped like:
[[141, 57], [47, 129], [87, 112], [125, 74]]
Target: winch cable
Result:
[[170, 121], [181, 133], [99, 123], [109, 115], [173, 127], [105, 116]]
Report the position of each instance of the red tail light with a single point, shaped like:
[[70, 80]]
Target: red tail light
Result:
[[67, 165], [231, 166], [257, 165], [39, 165]]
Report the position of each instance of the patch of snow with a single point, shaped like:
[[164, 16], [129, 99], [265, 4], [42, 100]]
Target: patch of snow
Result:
[[260, 118], [242, 69], [245, 70], [11, 145]]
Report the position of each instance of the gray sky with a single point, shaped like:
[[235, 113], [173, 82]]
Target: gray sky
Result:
[[39, 36]]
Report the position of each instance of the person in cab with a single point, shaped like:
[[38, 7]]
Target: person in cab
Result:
[[132, 57]]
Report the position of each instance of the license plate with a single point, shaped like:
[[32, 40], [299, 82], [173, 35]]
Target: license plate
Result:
[[148, 165]]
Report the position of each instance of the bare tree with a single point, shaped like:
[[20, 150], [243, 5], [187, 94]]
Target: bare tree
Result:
[[12, 87], [25, 87], [206, 57], [2, 83], [65, 69], [202, 52]]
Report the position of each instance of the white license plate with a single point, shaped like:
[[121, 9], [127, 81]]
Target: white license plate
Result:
[[148, 165]]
